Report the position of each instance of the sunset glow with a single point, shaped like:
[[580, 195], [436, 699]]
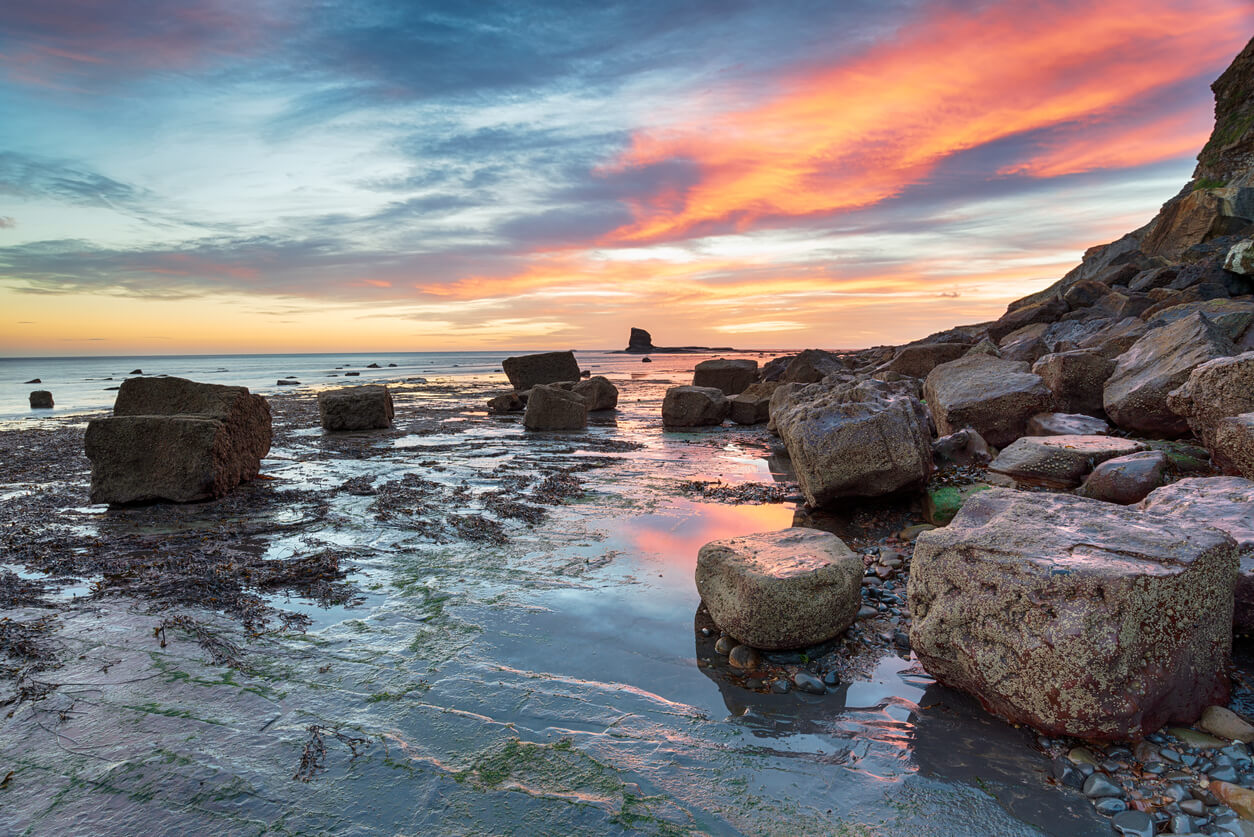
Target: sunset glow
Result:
[[228, 179]]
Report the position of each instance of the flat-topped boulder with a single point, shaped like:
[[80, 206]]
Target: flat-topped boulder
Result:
[[1058, 461], [1135, 395], [919, 359], [995, 397], [356, 408], [864, 440], [1232, 445], [527, 371], [811, 366], [1066, 424], [1076, 378], [551, 407], [1126, 479], [41, 399], [182, 460], [1074, 616], [781, 590], [1214, 391], [688, 406], [598, 391], [1225, 503], [732, 376]]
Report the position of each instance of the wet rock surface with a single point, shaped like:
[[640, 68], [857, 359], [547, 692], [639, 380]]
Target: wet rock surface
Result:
[[356, 408], [732, 376], [1058, 461], [689, 406]]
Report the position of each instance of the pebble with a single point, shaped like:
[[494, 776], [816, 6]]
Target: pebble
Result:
[[1082, 755], [866, 612], [1110, 805], [1193, 807], [1168, 754], [1224, 774], [1098, 786], [831, 679], [724, 645], [781, 687], [1226, 724], [807, 682], [744, 657], [706, 632], [1134, 824], [1180, 824]]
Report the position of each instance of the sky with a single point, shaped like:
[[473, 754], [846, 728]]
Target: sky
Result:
[[216, 176]]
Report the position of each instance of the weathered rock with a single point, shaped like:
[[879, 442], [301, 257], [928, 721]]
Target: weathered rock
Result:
[[811, 366], [1213, 391], [919, 359], [753, 406], [984, 347], [1239, 799], [942, 504], [994, 397], [599, 392], [1059, 461], [526, 371], [1126, 479], [41, 399], [1232, 445], [1076, 379], [356, 408], [1223, 723], [1027, 344], [1042, 312], [640, 342], [508, 403], [1135, 396], [694, 406], [1192, 219], [553, 408], [1073, 616], [1084, 293], [1240, 258], [731, 376], [965, 447], [863, 440], [780, 590], [1116, 338], [1066, 424]]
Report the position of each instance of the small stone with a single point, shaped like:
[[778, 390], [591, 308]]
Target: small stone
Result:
[[1180, 824], [1098, 786], [909, 533], [1168, 754], [744, 657], [706, 632], [1082, 755], [1134, 824], [831, 679], [1195, 739], [781, 687], [1223, 774], [1226, 724], [866, 612], [1110, 805], [725, 644], [1193, 807], [807, 682]]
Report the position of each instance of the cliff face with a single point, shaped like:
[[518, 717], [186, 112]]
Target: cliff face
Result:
[[1228, 157]]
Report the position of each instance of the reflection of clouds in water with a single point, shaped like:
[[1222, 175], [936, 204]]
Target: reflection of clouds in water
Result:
[[678, 536]]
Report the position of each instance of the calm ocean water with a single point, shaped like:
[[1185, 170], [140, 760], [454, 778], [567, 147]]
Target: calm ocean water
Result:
[[85, 384]]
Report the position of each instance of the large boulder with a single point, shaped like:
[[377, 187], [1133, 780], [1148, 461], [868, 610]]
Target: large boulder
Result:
[[731, 376], [1240, 258], [526, 371], [917, 360], [1042, 312], [1058, 461], [1067, 424], [1126, 479], [554, 408], [993, 396], [753, 406], [1213, 391], [41, 399], [1197, 217], [689, 406], [1232, 445], [781, 590], [599, 392], [1076, 379], [811, 366], [1135, 396], [1225, 503], [356, 408], [181, 459], [863, 440], [1074, 616]]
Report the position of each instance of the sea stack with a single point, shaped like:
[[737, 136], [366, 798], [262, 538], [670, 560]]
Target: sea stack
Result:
[[640, 342]]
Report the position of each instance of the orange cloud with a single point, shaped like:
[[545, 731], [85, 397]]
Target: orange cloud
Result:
[[858, 133]]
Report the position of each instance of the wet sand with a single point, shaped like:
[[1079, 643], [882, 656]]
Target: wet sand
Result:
[[459, 627]]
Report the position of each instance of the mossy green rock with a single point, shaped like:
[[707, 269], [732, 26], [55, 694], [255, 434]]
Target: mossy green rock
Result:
[[944, 502]]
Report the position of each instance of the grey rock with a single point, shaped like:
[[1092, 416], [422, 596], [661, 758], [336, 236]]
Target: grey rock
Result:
[[965, 447], [1059, 461], [811, 366], [994, 397], [1232, 445], [807, 682], [1214, 391], [745, 658], [730, 376], [917, 360], [599, 393], [688, 406], [41, 399], [1066, 424], [1126, 479], [1098, 786], [356, 408], [1133, 824], [551, 407], [527, 371], [1076, 379]]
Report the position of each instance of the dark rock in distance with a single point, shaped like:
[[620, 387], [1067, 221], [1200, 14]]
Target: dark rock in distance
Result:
[[640, 341], [33, 381], [41, 399]]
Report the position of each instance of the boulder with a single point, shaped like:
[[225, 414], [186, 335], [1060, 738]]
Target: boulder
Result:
[[1213, 391], [863, 440], [1116, 338], [1076, 379], [781, 590], [943, 503], [920, 359], [995, 397], [1223, 503], [1192, 219], [640, 342], [41, 399], [1126, 479], [1042, 312], [689, 406], [731, 376], [1240, 258], [1232, 445], [553, 408], [180, 458], [508, 403], [1073, 616], [1084, 293], [966, 447], [1135, 395], [1058, 461], [246, 416], [356, 408], [526, 371], [1027, 344], [598, 392], [753, 406], [811, 366], [1066, 424], [984, 347]]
